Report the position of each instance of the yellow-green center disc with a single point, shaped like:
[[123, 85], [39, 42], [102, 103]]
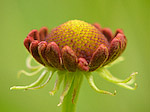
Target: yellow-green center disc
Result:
[[82, 37]]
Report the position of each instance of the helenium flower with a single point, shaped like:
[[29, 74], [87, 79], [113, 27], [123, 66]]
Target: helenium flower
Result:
[[74, 49]]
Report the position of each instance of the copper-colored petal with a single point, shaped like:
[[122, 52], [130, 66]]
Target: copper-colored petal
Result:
[[53, 55], [118, 31], [97, 26], [99, 57], [41, 50], [69, 59], [34, 34], [43, 33], [27, 43], [83, 64], [117, 46], [123, 40], [108, 33], [34, 51]]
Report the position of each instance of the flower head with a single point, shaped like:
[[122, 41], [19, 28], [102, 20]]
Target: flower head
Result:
[[76, 47]]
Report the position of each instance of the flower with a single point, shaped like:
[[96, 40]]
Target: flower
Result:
[[75, 47]]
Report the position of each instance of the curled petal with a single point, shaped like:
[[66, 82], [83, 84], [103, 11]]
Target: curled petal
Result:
[[27, 42], [34, 51], [43, 33], [83, 64], [99, 57], [69, 59], [108, 33], [53, 55], [123, 41], [41, 50], [34, 34], [117, 46], [97, 26], [118, 31]]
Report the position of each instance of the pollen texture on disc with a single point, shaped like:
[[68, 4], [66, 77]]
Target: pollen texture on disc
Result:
[[82, 37]]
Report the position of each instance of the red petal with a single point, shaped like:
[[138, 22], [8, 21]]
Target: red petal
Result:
[[118, 31], [27, 43], [34, 34], [97, 26], [117, 46], [41, 50], [34, 51], [108, 34], [43, 33], [83, 64], [99, 57], [53, 56], [69, 59], [123, 40]]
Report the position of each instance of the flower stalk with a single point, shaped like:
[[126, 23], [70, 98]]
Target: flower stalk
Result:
[[70, 100]]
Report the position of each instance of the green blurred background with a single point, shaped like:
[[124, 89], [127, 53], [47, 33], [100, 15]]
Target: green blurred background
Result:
[[18, 17]]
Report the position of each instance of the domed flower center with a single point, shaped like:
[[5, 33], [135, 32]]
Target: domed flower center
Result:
[[82, 37]]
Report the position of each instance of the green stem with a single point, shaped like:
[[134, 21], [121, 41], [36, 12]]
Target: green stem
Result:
[[70, 100]]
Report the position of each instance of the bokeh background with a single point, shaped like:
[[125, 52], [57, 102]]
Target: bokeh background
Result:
[[18, 17]]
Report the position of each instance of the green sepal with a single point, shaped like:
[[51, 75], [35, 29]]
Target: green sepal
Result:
[[103, 72], [60, 77], [36, 83], [93, 86], [69, 76], [45, 83]]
